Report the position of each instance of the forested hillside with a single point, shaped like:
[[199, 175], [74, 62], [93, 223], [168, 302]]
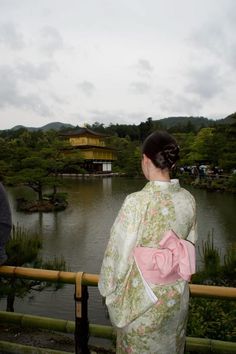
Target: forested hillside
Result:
[[200, 140], [170, 123]]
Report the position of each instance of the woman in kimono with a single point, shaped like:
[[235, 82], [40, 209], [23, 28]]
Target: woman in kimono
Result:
[[150, 257]]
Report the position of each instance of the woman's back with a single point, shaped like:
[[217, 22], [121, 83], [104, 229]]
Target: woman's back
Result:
[[162, 206]]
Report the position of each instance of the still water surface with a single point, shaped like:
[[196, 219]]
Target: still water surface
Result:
[[80, 234]]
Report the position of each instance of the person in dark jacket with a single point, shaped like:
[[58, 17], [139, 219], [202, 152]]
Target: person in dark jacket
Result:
[[5, 223]]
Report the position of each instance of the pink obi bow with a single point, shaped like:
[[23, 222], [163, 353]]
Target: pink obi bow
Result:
[[174, 259]]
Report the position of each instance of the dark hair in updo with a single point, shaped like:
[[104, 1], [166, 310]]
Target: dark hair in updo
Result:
[[162, 149]]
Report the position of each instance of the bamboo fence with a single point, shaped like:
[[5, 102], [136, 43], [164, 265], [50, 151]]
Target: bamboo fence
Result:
[[201, 345], [92, 280]]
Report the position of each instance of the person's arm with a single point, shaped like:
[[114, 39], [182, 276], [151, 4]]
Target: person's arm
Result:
[[5, 223], [193, 236], [118, 255], [5, 233]]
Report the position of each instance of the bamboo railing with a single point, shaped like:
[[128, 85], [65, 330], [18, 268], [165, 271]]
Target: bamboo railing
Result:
[[80, 327], [92, 280], [202, 345], [58, 325], [14, 348], [48, 275]]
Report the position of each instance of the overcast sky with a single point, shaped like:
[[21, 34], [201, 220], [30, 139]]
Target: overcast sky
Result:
[[81, 61]]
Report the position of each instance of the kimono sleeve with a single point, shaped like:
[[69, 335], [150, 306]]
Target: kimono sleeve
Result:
[[193, 236], [118, 257]]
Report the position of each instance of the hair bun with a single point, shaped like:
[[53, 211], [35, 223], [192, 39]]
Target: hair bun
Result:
[[162, 149], [168, 156]]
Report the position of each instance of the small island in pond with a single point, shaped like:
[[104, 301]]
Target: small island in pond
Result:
[[44, 205]]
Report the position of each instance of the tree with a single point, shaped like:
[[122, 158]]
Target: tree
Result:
[[227, 134], [97, 127], [133, 167], [185, 141], [37, 160], [146, 128], [205, 147], [128, 156]]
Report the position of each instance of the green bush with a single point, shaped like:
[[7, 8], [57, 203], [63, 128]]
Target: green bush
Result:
[[23, 247], [210, 318], [229, 266], [213, 319], [23, 250], [232, 181], [210, 255]]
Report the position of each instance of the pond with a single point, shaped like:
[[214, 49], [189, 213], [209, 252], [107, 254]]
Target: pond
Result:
[[80, 234]]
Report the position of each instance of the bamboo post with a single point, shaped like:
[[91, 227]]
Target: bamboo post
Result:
[[81, 316]]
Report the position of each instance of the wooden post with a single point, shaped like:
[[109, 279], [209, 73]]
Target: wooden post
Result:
[[81, 316]]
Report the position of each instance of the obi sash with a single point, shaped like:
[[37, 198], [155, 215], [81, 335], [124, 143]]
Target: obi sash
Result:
[[174, 259]]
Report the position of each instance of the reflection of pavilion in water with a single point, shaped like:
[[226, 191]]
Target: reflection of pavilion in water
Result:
[[97, 156], [107, 185]]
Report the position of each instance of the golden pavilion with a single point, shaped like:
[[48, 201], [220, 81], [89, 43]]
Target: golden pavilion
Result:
[[97, 156]]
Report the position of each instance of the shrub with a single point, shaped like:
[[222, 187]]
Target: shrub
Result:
[[23, 250], [210, 255], [210, 318]]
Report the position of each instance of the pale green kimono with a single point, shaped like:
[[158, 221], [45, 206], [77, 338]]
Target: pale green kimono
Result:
[[142, 325]]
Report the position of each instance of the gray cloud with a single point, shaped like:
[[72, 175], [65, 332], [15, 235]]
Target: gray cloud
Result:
[[218, 40], [215, 43], [121, 117], [205, 82], [210, 37], [10, 94], [107, 117], [28, 72], [135, 117], [144, 66], [140, 87], [34, 103], [51, 40], [58, 99], [86, 87], [127, 71], [231, 56], [144, 70], [231, 13], [180, 104], [170, 102], [8, 91], [10, 36]]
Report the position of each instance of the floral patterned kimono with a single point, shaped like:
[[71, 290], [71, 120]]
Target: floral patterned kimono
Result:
[[144, 324]]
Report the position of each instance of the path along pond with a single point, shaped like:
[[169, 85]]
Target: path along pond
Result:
[[80, 234]]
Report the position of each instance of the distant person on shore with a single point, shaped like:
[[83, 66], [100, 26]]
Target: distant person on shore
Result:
[[5, 223], [150, 257]]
